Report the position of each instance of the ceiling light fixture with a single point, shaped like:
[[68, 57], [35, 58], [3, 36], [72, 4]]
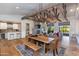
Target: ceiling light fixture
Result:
[[77, 8], [17, 7], [71, 10]]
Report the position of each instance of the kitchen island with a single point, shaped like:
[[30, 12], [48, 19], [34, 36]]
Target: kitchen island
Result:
[[10, 35]]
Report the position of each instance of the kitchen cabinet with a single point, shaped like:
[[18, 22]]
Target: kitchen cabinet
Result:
[[12, 35], [9, 25], [15, 26], [3, 25], [18, 35]]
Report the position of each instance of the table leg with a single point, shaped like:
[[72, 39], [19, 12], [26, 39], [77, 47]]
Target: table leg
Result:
[[36, 53], [37, 43], [44, 47]]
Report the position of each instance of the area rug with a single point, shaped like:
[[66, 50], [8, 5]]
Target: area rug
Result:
[[28, 52], [24, 51], [62, 51]]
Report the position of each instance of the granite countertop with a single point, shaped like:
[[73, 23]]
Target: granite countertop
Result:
[[9, 32]]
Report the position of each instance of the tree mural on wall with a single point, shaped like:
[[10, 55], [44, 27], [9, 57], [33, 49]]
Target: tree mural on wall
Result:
[[56, 13], [64, 11], [50, 13]]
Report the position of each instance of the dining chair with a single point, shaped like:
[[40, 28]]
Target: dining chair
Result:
[[53, 46]]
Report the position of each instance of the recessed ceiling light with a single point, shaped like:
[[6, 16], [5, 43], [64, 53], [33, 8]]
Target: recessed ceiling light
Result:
[[17, 7], [77, 8], [71, 10]]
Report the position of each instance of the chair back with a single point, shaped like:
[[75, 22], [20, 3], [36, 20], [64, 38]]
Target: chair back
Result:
[[53, 45]]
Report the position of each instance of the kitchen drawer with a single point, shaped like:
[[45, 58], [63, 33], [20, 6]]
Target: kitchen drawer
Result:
[[11, 36], [18, 35]]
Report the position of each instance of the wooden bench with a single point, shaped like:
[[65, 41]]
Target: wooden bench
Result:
[[34, 47]]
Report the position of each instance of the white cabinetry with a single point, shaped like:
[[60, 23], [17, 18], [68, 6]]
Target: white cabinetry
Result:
[[10, 26], [3, 25], [13, 35], [15, 26]]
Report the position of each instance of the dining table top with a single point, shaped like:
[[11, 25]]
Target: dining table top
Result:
[[41, 38]]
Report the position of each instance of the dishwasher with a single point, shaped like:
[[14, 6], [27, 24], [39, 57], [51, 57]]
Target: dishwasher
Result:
[[2, 35]]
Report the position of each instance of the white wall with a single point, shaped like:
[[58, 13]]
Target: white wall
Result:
[[23, 27], [13, 18], [72, 25], [77, 27], [73, 17]]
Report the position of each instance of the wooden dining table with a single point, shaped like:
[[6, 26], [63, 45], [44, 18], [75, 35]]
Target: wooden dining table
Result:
[[41, 38]]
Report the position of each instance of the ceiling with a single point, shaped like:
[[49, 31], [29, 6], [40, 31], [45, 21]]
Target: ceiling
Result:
[[22, 8]]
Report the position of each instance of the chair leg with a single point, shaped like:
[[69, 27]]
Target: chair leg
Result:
[[56, 51], [53, 52], [46, 50]]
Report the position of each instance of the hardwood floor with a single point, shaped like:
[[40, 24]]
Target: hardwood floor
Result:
[[7, 47], [73, 50]]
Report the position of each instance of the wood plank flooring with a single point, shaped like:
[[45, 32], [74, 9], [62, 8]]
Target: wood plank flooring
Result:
[[73, 50], [7, 47]]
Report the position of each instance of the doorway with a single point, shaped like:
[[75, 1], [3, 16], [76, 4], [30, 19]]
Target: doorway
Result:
[[27, 28]]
